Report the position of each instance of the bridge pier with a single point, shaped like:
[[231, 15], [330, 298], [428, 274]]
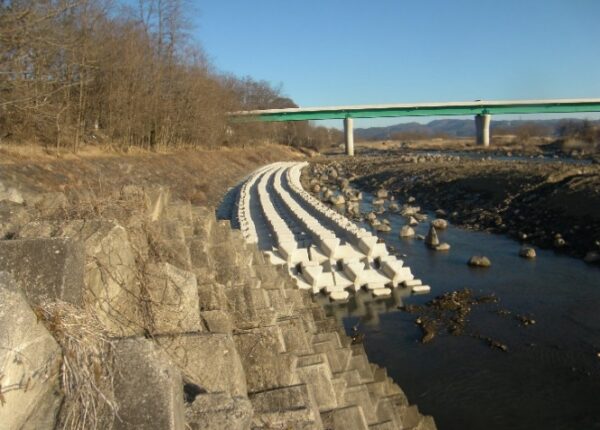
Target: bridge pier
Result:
[[482, 129], [349, 134]]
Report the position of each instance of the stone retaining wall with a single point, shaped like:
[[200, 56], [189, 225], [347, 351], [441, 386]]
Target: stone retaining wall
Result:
[[204, 333]]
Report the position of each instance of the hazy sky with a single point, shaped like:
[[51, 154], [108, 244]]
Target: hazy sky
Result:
[[334, 52]]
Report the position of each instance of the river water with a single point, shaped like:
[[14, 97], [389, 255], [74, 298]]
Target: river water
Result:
[[550, 376]]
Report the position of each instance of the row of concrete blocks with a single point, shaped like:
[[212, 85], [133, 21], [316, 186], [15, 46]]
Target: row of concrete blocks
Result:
[[327, 264], [363, 239], [247, 226]]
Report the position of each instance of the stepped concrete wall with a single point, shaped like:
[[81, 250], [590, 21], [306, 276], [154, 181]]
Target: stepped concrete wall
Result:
[[203, 331]]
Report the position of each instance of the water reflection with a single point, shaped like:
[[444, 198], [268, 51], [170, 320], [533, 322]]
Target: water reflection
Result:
[[363, 305]]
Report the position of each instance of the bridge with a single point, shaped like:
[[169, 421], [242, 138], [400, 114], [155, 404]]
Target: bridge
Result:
[[482, 110]]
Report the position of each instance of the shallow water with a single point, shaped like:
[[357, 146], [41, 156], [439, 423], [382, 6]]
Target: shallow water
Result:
[[550, 376]]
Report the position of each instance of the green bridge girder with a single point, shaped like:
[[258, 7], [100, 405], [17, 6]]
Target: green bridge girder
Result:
[[423, 109]]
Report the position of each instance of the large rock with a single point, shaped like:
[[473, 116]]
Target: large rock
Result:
[[46, 268], [208, 360], [439, 223], [527, 252], [30, 361], [111, 278], [479, 261], [218, 411], [407, 231], [431, 240], [148, 387], [172, 299]]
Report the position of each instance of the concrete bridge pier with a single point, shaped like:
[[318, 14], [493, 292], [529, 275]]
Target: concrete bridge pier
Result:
[[349, 134], [482, 128]]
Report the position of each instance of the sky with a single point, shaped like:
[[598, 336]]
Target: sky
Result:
[[346, 52]]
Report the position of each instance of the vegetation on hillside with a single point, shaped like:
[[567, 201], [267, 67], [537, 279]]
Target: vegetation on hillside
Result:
[[76, 72]]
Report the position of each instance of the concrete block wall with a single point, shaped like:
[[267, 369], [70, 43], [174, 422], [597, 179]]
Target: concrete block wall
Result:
[[207, 335]]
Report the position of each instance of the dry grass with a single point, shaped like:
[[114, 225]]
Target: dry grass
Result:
[[87, 379]]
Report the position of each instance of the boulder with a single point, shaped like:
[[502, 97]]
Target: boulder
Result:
[[337, 200], [148, 387], [407, 231], [381, 193], [383, 227], [479, 261], [412, 221], [431, 240], [30, 360], [443, 247], [410, 211], [439, 223], [527, 252]]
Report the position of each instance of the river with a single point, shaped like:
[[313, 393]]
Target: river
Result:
[[550, 376]]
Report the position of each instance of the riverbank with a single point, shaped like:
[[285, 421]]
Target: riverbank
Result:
[[125, 304], [553, 205], [513, 345]]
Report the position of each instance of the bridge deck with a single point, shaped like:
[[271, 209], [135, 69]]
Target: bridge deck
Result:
[[498, 107]]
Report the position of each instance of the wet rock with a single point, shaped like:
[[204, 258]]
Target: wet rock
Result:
[[343, 183], [420, 217], [384, 228], [443, 247], [440, 213], [378, 202], [407, 231], [381, 193], [479, 261], [412, 221], [337, 200], [524, 320], [419, 237], [432, 239], [498, 345], [410, 210], [559, 242], [527, 252], [393, 207], [439, 223], [592, 257], [371, 216], [316, 188], [411, 199], [327, 194]]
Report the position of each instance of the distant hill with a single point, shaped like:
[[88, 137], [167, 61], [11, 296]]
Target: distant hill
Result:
[[457, 128]]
